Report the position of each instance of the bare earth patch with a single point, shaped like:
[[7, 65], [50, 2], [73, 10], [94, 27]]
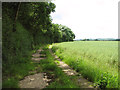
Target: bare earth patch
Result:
[[36, 55], [66, 68], [38, 80], [34, 81], [37, 59], [38, 51]]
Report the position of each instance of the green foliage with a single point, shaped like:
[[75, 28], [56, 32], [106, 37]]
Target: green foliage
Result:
[[85, 57], [14, 73], [57, 34], [10, 83], [16, 45], [68, 35], [25, 27], [107, 80], [62, 33]]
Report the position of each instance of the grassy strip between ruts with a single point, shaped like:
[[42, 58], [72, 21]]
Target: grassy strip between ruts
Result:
[[61, 80], [87, 68]]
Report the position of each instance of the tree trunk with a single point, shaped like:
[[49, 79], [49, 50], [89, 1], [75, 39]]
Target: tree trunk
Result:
[[14, 24]]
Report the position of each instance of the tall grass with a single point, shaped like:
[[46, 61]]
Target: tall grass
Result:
[[95, 60], [16, 53]]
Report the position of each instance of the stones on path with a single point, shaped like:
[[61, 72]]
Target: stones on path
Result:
[[47, 78], [50, 77], [43, 55], [39, 50], [37, 56], [66, 68], [37, 59]]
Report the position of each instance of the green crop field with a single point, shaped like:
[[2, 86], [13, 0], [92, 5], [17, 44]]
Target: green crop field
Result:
[[95, 60]]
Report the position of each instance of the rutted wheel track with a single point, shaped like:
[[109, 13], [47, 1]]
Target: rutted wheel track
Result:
[[84, 83], [38, 80], [42, 80]]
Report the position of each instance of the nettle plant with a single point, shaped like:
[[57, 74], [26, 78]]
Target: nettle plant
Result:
[[107, 81]]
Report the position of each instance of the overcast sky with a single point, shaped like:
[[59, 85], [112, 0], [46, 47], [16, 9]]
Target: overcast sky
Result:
[[88, 18]]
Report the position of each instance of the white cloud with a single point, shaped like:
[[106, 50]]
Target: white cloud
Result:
[[88, 18]]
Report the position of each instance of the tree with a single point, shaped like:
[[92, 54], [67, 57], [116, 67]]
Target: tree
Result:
[[68, 35]]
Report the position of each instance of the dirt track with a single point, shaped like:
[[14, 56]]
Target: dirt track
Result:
[[40, 80]]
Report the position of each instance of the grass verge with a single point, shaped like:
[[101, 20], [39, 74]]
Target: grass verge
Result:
[[102, 77]]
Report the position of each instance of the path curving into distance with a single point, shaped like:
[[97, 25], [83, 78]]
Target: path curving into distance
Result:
[[41, 80]]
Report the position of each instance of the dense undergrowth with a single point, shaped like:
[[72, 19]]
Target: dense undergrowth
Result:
[[102, 75], [17, 48], [13, 73]]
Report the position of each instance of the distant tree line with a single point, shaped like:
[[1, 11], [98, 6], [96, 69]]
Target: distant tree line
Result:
[[99, 39], [62, 33]]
